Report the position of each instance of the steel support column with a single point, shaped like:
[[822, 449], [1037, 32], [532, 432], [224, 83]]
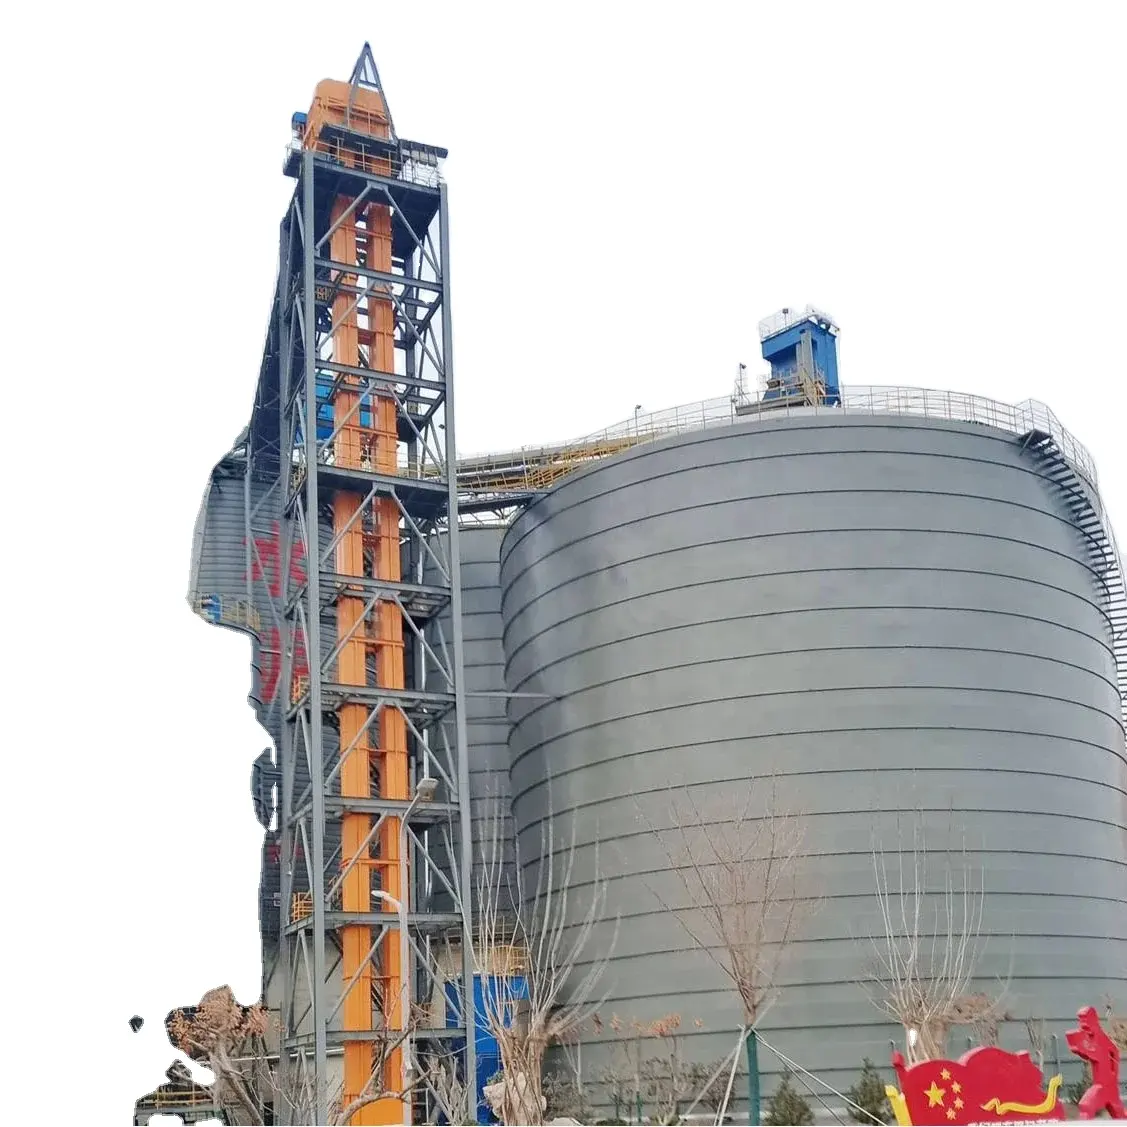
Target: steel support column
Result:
[[465, 859]]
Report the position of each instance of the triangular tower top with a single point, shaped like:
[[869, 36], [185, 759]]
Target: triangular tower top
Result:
[[365, 75]]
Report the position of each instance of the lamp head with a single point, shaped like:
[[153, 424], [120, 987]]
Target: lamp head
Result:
[[425, 789]]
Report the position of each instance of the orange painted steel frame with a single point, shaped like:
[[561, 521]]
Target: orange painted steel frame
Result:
[[368, 441]]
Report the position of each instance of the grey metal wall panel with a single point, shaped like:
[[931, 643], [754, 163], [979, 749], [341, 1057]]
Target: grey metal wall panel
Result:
[[219, 568], [486, 719], [893, 613]]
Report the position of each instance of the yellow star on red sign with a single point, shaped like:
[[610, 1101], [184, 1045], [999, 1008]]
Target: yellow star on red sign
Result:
[[950, 1113], [945, 1075], [956, 1088], [935, 1095]]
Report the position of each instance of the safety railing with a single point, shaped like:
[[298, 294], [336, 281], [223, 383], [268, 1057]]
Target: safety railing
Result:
[[411, 164], [186, 1097], [746, 407], [301, 906], [537, 466], [221, 611], [785, 318]]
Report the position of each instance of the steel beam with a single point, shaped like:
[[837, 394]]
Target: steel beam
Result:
[[411, 283]]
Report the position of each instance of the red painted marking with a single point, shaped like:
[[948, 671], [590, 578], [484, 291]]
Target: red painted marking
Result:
[[266, 568], [274, 852], [266, 562]]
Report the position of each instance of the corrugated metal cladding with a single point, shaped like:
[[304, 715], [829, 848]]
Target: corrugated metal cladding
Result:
[[487, 724], [892, 613], [219, 567]]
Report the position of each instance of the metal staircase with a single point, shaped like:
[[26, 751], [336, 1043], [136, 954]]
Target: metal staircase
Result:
[[1097, 539]]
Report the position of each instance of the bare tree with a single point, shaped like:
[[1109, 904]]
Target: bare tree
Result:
[[740, 863], [1038, 1039], [230, 1040], [929, 947], [543, 933]]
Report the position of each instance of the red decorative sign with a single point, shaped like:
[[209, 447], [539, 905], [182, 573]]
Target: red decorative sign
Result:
[[985, 1085], [266, 562], [990, 1085]]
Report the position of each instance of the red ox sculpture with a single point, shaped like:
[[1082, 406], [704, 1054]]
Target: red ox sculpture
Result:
[[1092, 1044]]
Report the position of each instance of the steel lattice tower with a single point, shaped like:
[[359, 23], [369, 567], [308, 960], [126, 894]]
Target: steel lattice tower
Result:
[[358, 366]]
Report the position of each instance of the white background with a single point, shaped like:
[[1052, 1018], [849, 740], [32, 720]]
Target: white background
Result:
[[632, 187]]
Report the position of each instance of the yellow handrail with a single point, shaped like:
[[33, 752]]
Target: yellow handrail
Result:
[[228, 612], [189, 1097]]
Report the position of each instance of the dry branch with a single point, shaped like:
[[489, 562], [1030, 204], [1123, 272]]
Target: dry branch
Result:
[[740, 864], [230, 1040], [1038, 1039], [543, 933], [929, 947]]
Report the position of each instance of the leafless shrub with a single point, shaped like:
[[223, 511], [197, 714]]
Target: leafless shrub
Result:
[[542, 933], [647, 1071], [929, 948]]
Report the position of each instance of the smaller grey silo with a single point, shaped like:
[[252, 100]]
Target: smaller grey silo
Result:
[[486, 719]]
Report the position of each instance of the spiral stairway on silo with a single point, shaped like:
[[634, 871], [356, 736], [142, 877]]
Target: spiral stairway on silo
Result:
[[1097, 538]]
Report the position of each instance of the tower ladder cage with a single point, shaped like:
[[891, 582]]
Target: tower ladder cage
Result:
[[350, 445], [1097, 541]]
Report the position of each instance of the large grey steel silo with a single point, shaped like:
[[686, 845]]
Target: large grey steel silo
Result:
[[895, 612], [487, 724]]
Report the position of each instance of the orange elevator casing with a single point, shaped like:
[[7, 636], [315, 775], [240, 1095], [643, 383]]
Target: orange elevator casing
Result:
[[371, 653]]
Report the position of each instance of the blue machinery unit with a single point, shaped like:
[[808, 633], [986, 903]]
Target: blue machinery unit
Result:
[[508, 989], [801, 348], [326, 388]]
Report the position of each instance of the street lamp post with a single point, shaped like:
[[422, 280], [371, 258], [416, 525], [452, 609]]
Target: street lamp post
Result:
[[424, 792]]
